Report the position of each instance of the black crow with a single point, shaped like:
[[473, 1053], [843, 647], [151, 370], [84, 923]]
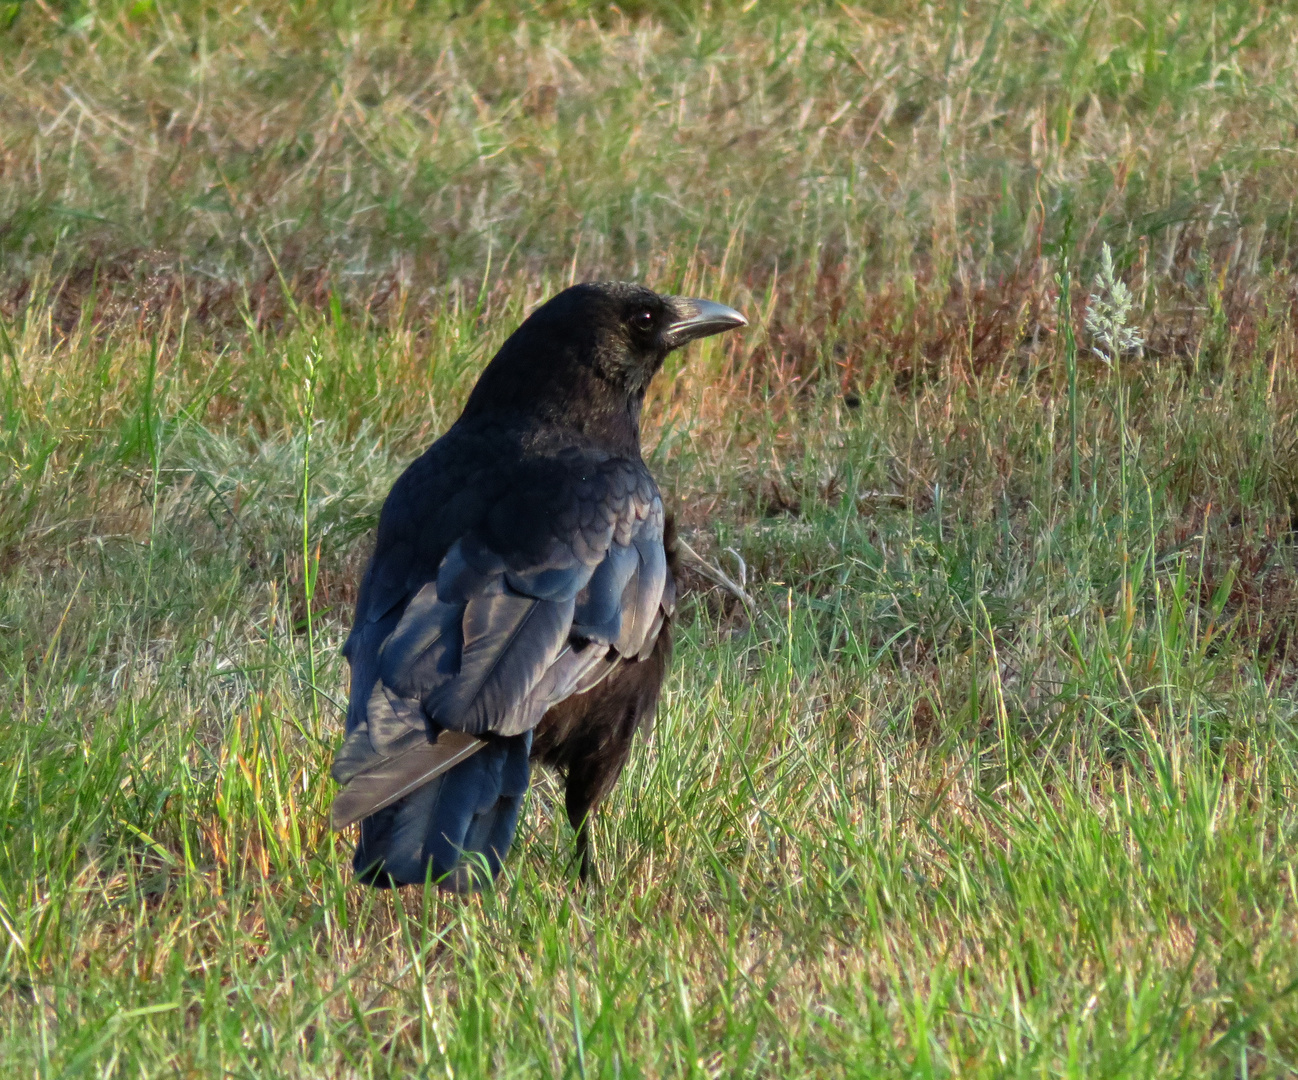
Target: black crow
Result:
[[518, 604]]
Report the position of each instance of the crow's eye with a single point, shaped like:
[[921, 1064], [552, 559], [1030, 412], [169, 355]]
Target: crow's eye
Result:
[[642, 320]]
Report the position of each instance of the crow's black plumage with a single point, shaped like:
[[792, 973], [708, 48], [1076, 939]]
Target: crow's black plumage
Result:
[[518, 604]]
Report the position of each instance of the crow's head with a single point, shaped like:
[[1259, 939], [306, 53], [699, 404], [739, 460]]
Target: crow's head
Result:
[[625, 331], [585, 357]]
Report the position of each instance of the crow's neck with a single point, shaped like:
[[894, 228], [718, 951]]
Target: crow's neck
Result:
[[609, 424], [582, 403], [612, 425]]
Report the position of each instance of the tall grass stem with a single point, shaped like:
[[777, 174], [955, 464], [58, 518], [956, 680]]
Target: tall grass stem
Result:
[[309, 566], [1064, 279]]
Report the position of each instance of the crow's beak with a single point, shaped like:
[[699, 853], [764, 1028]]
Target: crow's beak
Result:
[[699, 319]]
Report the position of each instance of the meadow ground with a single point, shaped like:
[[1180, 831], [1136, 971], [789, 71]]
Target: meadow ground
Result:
[[980, 755]]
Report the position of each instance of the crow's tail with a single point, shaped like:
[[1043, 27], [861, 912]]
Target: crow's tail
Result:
[[455, 829]]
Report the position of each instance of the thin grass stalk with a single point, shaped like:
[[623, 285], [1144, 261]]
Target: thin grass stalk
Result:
[[1064, 280], [1122, 471], [998, 694], [308, 570], [155, 467]]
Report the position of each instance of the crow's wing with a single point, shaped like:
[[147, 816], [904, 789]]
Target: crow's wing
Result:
[[540, 600]]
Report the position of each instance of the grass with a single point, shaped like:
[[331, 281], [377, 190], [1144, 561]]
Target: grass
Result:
[[993, 775]]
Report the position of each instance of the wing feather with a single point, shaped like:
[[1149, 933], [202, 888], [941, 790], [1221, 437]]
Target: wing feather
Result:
[[643, 600], [498, 638], [392, 778], [509, 641]]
